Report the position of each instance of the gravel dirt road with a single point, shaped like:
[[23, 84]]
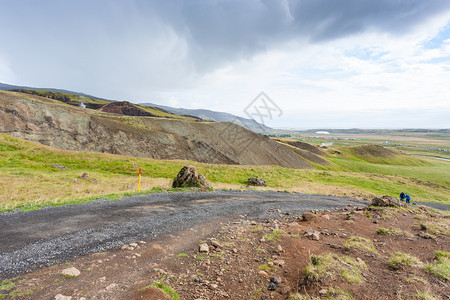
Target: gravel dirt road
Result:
[[35, 239]]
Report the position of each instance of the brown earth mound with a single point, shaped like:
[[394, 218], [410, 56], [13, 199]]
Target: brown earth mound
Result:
[[125, 108], [373, 150], [305, 146]]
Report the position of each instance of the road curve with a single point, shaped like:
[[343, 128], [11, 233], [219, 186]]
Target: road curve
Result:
[[35, 239]]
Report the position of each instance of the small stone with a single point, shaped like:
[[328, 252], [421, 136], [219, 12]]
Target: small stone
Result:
[[124, 247], [326, 217], [307, 216], [270, 263], [214, 286], [142, 242], [279, 248], [323, 292], [75, 181], [216, 244], [133, 245], [272, 286], [235, 250], [62, 297], [59, 167], [276, 279], [262, 240], [71, 272], [204, 248], [278, 262], [315, 236], [263, 273], [84, 176], [111, 286]]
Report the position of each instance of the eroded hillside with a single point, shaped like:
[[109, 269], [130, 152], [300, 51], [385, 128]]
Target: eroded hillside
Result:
[[74, 128]]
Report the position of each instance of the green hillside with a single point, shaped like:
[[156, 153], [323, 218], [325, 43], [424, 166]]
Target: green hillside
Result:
[[31, 180]]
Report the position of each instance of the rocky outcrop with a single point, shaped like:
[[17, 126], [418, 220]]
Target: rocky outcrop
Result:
[[387, 201], [124, 108], [256, 181], [189, 177]]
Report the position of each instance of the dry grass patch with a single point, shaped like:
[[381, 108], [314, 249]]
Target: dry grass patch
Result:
[[334, 293], [440, 227], [360, 243], [392, 231], [441, 267], [332, 266], [400, 259]]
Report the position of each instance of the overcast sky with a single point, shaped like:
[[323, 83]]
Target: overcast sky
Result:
[[346, 63]]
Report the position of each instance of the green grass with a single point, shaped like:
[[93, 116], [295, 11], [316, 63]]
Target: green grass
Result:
[[425, 296], [400, 259], [8, 284], [8, 289], [392, 231], [170, 292], [441, 267], [333, 266], [182, 255], [275, 236], [265, 267], [360, 243], [29, 181]]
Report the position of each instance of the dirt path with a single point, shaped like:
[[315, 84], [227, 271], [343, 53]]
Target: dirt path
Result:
[[30, 240], [35, 239]]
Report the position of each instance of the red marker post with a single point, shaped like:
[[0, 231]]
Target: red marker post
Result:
[[139, 185]]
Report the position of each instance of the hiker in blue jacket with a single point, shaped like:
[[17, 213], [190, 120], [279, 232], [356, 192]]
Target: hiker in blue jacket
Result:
[[402, 196], [408, 198]]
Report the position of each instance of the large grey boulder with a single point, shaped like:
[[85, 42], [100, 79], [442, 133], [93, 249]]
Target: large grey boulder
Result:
[[189, 177]]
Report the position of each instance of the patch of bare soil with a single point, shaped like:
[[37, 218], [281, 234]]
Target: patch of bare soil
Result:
[[282, 258]]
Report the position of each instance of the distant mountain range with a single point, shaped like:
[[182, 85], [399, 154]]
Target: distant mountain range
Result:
[[211, 115], [199, 113]]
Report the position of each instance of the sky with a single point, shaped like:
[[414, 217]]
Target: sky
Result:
[[323, 63]]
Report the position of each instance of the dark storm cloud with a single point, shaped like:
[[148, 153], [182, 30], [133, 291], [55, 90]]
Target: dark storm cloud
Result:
[[219, 31]]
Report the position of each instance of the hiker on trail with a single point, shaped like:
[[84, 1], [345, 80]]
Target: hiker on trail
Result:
[[402, 196], [408, 198]]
